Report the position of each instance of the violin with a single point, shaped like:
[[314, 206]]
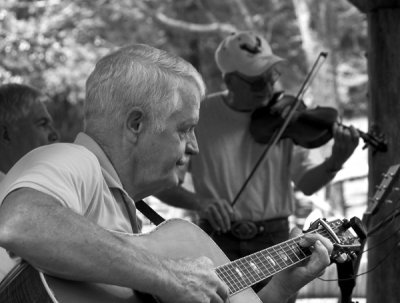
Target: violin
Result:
[[309, 128]]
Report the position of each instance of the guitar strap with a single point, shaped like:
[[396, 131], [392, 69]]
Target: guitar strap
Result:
[[144, 208], [148, 212]]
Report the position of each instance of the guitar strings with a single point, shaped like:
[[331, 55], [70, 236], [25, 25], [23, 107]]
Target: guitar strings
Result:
[[280, 262], [388, 219]]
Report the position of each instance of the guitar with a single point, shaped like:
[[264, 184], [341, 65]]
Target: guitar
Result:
[[384, 191], [176, 239]]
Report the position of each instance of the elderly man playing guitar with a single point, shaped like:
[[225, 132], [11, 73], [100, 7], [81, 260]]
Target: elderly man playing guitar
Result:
[[68, 211]]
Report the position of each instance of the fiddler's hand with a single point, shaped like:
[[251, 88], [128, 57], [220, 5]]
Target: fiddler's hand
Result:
[[345, 142], [283, 105], [219, 213]]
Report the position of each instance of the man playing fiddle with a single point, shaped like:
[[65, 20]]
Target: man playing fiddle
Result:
[[228, 154]]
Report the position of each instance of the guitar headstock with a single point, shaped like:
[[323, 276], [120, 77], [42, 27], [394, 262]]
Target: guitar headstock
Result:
[[345, 235], [384, 189]]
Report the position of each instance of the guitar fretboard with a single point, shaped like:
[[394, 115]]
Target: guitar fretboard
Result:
[[247, 271]]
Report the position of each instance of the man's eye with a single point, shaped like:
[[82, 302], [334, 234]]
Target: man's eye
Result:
[[43, 123], [187, 131]]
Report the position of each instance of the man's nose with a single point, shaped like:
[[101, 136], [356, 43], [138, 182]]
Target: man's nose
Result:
[[54, 136]]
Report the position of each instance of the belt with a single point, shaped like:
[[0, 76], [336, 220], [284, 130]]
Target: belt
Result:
[[246, 230]]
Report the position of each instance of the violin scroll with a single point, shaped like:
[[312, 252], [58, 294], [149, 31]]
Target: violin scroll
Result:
[[374, 138]]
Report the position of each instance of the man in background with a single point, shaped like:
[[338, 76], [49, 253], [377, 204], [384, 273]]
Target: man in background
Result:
[[25, 124]]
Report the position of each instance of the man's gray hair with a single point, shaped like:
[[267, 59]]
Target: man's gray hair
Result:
[[137, 75], [16, 101]]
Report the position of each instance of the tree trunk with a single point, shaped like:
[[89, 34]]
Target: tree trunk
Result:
[[384, 111]]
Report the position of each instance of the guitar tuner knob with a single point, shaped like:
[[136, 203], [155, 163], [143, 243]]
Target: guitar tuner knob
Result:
[[346, 224], [352, 255]]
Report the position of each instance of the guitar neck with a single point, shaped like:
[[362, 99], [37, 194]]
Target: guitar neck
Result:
[[247, 271]]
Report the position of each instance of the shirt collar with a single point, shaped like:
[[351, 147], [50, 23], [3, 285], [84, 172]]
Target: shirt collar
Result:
[[109, 173], [2, 175]]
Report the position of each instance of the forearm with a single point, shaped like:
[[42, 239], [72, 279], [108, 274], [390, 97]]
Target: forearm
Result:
[[62, 243], [317, 177], [273, 292], [180, 197]]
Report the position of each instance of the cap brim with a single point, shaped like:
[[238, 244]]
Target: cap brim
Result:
[[261, 66]]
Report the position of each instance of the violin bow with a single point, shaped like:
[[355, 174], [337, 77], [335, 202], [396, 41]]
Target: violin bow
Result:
[[278, 133]]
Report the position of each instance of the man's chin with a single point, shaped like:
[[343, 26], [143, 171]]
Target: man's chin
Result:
[[172, 181]]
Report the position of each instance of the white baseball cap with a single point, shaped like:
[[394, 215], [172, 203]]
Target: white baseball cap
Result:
[[245, 52]]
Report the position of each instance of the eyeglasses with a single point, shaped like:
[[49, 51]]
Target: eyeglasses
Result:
[[260, 82]]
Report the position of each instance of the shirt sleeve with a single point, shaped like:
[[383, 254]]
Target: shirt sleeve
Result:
[[66, 172], [302, 160]]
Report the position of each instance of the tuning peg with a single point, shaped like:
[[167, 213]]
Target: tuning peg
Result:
[[346, 224], [352, 255]]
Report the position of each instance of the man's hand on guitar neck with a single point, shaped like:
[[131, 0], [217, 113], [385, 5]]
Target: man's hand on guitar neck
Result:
[[288, 282]]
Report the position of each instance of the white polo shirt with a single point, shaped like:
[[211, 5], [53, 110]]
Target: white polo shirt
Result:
[[78, 175], [6, 263]]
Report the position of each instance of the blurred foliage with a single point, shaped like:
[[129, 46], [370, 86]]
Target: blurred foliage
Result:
[[53, 44]]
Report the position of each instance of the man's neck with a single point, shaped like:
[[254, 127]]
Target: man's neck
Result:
[[236, 106]]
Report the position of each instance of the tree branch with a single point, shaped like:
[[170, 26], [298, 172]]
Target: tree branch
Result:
[[215, 27], [183, 26], [248, 20]]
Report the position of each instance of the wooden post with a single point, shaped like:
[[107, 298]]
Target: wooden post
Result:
[[384, 111]]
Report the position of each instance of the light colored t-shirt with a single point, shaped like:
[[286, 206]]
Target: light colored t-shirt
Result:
[[228, 153], [79, 176], [6, 262]]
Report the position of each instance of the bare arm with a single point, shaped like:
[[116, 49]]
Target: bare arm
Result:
[[62, 243], [346, 140], [219, 213]]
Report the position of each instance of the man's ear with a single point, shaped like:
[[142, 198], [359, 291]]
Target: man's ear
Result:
[[135, 120], [4, 135]]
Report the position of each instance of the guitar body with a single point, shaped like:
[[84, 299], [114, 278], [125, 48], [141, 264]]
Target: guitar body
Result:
[[173, 239]]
